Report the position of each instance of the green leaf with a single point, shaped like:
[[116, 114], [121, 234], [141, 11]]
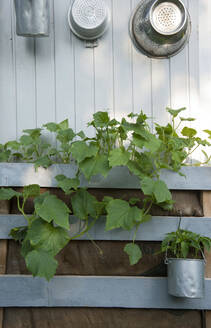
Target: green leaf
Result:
[[175, 112], [101, 119], [118, 157], [188, 132], [52, 127], [121, 215], [188, 119], [45, 236], [34, 133], [134, 252], [19, 233], [64, 125], [80, 150], [67, 184], [161, 192], [44, 161], [149, 141], [95, 165], [65, 136], [147, 186], [41, 264], [81, 135], [26, 140], [184, 249], [13, 145], [84, 205], [52, 208], [31, 191], [8, 193]]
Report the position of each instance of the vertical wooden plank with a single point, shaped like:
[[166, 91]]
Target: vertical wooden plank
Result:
[[179, 75], [141, 70], [45, 75], [103, 71], [4, 209], [25, 81], [204, 61], [206, 202], [64, 64], [160, 90], [122, 59], [7, 76], [84, 85]]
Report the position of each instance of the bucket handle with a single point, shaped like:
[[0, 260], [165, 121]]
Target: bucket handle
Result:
[[166, 256]]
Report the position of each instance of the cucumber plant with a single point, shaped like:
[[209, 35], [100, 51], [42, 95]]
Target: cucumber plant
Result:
[[129, 143]]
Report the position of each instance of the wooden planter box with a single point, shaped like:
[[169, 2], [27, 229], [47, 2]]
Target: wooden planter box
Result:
[[92, 291]]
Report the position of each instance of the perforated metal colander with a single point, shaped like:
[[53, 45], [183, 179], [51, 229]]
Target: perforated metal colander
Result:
[[167, 18], [160, 28], [88, 19]]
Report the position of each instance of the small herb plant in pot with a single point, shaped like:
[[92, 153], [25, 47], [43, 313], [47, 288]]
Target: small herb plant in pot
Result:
[[186, 262]]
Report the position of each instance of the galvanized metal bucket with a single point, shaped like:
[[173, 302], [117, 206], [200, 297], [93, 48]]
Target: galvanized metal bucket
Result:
[[32, 18], [186, 277]]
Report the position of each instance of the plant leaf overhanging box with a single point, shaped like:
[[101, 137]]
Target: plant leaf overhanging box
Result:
[[32, 18]]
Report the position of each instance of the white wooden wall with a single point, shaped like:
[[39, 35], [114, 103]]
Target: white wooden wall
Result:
[[54, 78]]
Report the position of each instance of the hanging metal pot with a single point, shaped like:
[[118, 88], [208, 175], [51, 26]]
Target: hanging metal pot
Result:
[[88, 19], [160, 28], [186, 277], [32, 18]]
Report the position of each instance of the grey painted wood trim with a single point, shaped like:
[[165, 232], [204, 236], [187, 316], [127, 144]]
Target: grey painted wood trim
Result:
[[20, 174], [153, 230], [72, 291]]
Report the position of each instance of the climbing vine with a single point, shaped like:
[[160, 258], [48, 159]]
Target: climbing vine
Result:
[[129, 143]]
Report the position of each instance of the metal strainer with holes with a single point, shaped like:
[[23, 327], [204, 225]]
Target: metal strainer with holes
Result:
[[88, 19], [160, 28]]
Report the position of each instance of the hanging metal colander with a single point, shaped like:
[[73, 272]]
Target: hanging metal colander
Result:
[[88, 19], [160, 28]]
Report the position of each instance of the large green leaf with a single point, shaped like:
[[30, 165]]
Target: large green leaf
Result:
[[134, 252], [101, 119], [156, 188], [95, 165], [8, 193], [175, 112], [41, 264], [161, 192], [80, 150], [121, 215], [45, 236], [65, 136], [31, 191], [84, 205], [118, 157], [52, 208], [67, 184], [188, 132]]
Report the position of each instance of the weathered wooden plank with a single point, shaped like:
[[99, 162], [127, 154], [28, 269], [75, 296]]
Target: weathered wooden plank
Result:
[[91, 291], [20, 174], [4, 209], [206, 202], [153, 230], [23, 291]]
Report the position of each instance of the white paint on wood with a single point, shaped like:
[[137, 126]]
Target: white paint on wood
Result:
[[54, 78], [154, 230], [92, 291]]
